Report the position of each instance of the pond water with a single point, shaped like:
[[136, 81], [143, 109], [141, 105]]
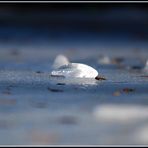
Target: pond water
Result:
[[37, 109]]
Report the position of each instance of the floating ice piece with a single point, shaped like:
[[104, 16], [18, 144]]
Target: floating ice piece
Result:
[[73, 70]]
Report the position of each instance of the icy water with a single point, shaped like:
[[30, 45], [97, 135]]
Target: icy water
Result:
[[37, 109]]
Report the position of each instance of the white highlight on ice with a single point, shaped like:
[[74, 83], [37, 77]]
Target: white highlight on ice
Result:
[[74, 70]]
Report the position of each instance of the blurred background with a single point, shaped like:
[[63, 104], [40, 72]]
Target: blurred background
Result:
[[65, 22], [73, 26]]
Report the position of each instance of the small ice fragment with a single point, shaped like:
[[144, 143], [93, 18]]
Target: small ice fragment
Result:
[[75, 70], [72, 70]]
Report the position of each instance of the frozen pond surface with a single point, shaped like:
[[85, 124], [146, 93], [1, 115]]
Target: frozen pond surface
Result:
[[37, 109]]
